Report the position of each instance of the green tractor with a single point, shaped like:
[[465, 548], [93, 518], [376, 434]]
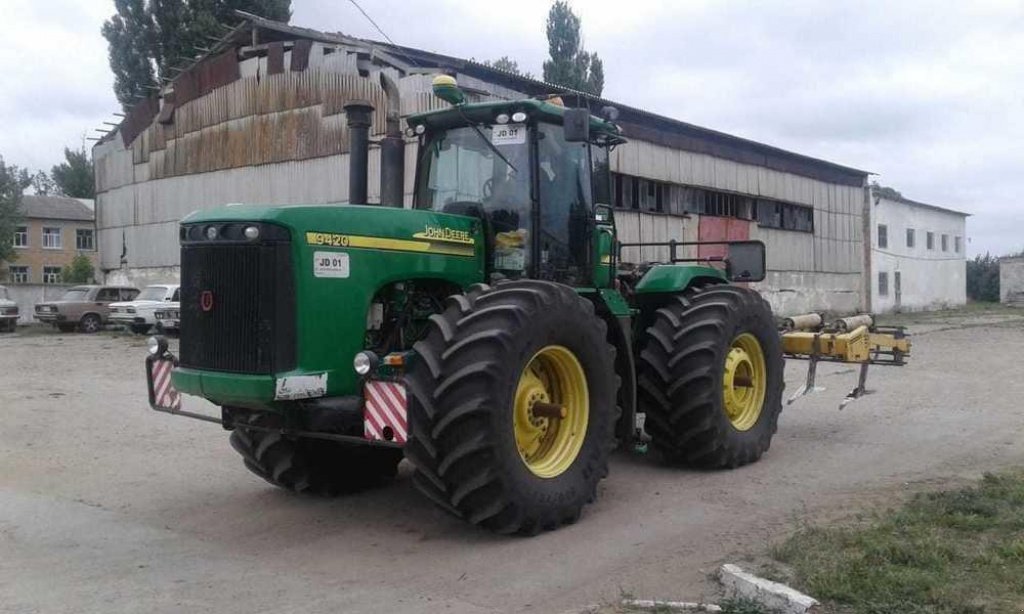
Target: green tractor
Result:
[[489, 334]]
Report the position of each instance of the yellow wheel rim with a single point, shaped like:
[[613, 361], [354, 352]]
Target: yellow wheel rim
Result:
[[744, 382], [551, 410]]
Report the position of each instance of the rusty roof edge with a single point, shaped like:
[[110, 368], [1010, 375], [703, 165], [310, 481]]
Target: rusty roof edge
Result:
[[917, 203], [250, 20]]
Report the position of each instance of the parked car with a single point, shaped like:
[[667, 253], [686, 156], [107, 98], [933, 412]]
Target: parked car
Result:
[[168, 318], [139, 314], [8, 311], [85, 307]]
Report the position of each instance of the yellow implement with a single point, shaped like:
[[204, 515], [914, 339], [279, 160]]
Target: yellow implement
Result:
[[853, 340]]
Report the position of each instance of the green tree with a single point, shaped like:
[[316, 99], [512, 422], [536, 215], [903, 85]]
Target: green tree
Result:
[[983, 278], [570, 65], [80, 271], [13, 181], [43, 185], [147, 38], [129, 39], [885, 191], [508, 65], [75, 176]]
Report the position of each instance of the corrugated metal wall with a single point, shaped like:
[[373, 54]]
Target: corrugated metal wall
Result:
[[281, 139]]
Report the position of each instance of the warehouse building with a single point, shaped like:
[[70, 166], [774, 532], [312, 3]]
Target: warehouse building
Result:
[[260, 119], [918, 256]]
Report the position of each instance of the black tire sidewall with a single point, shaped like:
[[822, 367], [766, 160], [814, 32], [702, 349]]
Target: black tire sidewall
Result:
[[749, 317], [90, 317], [565, 328]]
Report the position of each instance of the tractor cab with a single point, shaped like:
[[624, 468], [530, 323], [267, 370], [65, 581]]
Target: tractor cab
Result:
[[534, 172]]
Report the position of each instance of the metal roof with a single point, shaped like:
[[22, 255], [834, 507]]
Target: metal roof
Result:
[[55, 208], [636, 123], [914, 203]]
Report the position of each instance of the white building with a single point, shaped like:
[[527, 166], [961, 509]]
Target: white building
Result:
[[917, 255]]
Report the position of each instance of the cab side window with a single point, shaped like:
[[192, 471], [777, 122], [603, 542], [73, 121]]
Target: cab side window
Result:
[[174, 297], [129, 294]]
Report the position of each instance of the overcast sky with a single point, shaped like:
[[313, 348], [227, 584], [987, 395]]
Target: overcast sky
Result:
[[929, 95]]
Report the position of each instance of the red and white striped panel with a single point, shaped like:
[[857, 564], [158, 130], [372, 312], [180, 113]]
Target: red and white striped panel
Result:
[[384, 413], [163, 390]]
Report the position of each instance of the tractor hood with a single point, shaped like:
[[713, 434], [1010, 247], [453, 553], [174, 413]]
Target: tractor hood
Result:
[[341, 256], [361, 226]]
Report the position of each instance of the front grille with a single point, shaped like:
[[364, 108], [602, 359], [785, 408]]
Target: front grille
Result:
[[237, 306]]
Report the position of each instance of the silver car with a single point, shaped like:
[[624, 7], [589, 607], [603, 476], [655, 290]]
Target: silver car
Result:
[[8, 311]]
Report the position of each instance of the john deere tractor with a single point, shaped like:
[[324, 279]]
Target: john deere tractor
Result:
[[491, 334]]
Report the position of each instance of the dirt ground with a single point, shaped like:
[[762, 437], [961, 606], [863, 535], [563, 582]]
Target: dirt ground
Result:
[[106, 506]]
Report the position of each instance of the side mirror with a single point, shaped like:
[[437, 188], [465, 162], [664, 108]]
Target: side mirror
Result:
[[746, 261], [576, 124]]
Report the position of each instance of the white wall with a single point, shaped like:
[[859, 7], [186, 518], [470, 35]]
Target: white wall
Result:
[[28, 295], [929, 278], [1011, 280]]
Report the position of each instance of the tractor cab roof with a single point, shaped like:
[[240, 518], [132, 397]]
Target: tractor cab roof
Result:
[[602, 131]]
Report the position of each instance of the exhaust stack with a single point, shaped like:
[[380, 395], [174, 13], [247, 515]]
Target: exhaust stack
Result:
[[359, 113]]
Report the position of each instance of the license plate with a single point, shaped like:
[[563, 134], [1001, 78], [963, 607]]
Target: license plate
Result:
[[384, 411]]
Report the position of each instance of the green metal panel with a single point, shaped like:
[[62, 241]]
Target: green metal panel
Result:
[[384, 245], [677, 277], [604, 243], [616, 302]]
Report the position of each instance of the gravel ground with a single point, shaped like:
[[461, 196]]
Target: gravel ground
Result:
[[108, 507]]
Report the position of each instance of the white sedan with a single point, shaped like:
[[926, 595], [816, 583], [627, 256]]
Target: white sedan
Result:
[[168, 318], [139, 315]]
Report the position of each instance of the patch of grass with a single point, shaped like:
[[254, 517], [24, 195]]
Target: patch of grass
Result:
[[744, 606], [959, 551]]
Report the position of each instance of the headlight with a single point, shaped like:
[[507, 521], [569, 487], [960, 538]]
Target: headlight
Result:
[[502, 118], [421, 128], [252, 232], [157, 345], [211, 232], [130, 310], [364, 362], [519, 117]]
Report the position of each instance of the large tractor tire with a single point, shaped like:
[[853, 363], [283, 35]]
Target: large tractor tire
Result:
[[710, 377], [313, 466], [512, 406]]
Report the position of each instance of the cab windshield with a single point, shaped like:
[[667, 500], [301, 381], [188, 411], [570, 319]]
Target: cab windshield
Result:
[[462, 173]]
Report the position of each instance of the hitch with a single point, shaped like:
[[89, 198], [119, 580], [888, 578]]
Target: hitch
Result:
[[853, 340]]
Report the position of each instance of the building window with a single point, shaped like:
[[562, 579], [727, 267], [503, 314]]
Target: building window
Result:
[[883, 236], [773, 214], [19, 274], [51, 238], [84, 239], [21, 236], [883, 284], [945, 243], [910, 237], [639, 194], [929, 240], [956, 243], [51, 274]]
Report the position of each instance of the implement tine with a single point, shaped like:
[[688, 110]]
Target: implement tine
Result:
[[860, 390], [812, 370]]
